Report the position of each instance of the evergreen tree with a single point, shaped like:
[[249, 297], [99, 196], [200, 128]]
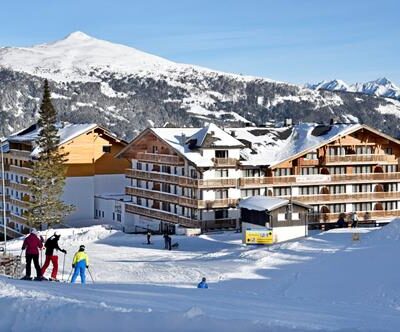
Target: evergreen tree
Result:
[[48, 174]]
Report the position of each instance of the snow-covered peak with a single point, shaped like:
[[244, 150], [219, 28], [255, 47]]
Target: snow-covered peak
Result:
[[77, 36], [382, 87]]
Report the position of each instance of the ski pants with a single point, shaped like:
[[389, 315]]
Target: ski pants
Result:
[[54, 261], [80, 268], [35, 259]]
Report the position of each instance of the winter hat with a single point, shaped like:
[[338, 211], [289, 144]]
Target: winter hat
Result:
[[82, 248], [34, 231]]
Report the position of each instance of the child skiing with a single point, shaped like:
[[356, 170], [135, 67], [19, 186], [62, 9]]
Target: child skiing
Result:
[[32, 243], [202, 283], [80, 264], [51, 244]]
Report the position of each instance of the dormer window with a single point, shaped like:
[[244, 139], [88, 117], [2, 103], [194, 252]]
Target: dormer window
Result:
[[107, 148]]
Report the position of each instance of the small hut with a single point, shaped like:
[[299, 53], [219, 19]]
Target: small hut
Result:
[[267, 220]]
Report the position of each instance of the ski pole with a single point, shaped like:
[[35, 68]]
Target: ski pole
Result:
[[90, 273], [62, 278], [70, 275]]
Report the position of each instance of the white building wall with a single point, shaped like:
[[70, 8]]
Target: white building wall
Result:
[[79, 191], [109, 183]]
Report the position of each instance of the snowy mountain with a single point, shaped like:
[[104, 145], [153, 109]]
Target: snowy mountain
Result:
[[381, 87], [126, 89]]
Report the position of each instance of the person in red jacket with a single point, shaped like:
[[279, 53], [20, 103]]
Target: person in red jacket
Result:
[[32, 244]]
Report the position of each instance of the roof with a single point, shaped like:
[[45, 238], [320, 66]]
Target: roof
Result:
[[271, 146], [266, 203], [66, 132], [188, 141]]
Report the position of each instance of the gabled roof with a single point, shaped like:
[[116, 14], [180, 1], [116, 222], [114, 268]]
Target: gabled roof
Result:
[[66, 132], [188, 141], [265, 203]]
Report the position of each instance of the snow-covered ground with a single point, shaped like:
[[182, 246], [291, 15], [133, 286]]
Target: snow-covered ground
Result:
[[326, 282]]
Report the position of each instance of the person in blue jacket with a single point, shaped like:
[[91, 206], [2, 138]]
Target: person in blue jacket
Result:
[[202, 283], [80, 264]]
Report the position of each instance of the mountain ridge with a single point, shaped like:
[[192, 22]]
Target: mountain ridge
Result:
[[125, 89]]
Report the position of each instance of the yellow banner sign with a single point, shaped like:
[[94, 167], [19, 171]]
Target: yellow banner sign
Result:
[[259, 236]]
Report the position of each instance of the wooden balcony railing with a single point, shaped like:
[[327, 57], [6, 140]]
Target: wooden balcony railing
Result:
[[20, 154], [353, 197], [18, 219], [360, 158], [20, 203], [7, 198], [19, 186], [161, 215], [181, 180], [152, 194], [1, 213], [160, 158], [308, 162], [6, 167], [252, 182], [225, 162], [20, 170]]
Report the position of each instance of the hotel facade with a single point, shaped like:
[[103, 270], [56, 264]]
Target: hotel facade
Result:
[[195, 177]]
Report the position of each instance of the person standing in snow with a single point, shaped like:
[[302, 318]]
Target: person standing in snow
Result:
[[202, 283], [354, 220], [148, 237], [341, 223], [32, 244], [80, 263], [166, 236], [51, 245]]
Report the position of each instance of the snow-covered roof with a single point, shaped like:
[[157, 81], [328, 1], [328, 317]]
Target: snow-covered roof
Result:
[[66, 132], [187, 141], [262, 203], [271, 146]]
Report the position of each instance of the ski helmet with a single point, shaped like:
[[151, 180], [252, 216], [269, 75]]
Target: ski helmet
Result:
[[81, 247]]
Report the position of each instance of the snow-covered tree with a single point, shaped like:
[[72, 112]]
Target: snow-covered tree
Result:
[[48, 175]]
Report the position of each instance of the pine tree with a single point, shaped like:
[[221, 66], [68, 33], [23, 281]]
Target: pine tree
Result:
[[48, 174]]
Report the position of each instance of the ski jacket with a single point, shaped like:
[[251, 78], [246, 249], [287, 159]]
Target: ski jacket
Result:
[[51, 244], [202, 284], [80, 256], [32, 244]]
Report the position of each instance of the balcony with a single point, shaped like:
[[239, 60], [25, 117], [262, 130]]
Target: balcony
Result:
[[372, 215], [181, 180], [20, 154], [21, 170], [18, 219], [20, 203], [208, 204], [351, 197], [225, 162], [19, 186], [308, 162], [161, 215], [152, 194], [360, 158], [160, 158], [7, 198]]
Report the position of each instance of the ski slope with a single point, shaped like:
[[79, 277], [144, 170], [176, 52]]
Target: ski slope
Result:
[[326, 282]]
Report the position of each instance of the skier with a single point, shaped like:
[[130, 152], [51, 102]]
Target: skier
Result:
[[341, 223], [148, 237], [202, 283], [80, 264], [354, 220], [166, 236], [51, 244], [32, 243]]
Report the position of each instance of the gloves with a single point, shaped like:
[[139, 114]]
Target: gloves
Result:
[[87, 266], [73, 266]]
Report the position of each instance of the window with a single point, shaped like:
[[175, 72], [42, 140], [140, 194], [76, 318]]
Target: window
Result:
[[193, 174], [107, 148], [314, 190], [166, 169], [249, 192], [221, 194], [337, 151], [282, 191], [337, 170], [221, 214], [362, 207], [251, 173], [221, 153], [166, 187], [155, 149], [389, 205], [119, 217], [337, 189], [311, 155], [362, 169], [221, 173], [308, 170], [388, 150], [389, 168], [139, 166], [283, 172], [364, 150], [362, 188]]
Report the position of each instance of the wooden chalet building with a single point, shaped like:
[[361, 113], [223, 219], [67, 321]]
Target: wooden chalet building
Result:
[[195, 177], [91, 169]]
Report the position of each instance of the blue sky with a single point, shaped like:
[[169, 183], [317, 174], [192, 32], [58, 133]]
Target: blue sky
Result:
[[289, 40]]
